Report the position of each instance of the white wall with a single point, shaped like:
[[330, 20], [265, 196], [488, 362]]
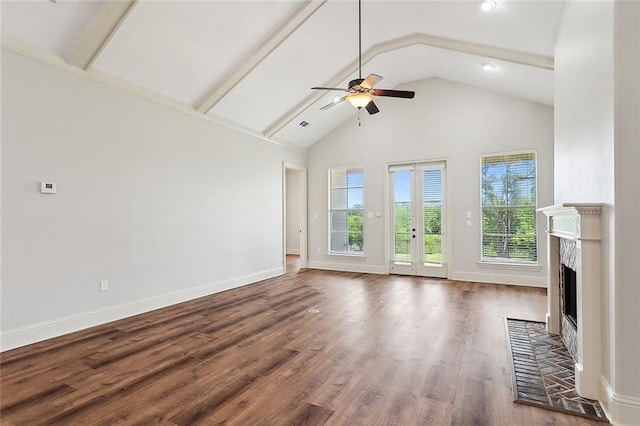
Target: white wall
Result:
[[164, 205], [597, 78], [293, 211], [445, 120], [627, 200]]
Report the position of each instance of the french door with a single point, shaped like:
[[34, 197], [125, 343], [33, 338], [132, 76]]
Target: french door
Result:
[[417, 225]]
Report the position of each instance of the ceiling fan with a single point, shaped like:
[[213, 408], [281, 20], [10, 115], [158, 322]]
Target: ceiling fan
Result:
[[360, 93]]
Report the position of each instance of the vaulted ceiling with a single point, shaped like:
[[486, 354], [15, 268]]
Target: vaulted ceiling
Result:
[[251, 64]]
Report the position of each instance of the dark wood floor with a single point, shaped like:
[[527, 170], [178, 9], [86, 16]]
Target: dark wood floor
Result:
[[381, 350]]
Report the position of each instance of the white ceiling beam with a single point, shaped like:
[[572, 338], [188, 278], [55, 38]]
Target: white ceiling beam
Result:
[[530, 59], [508, 55], [96, 39], [246, 65]]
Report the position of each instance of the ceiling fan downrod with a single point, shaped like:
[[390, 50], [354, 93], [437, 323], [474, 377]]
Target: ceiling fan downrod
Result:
[[360, 39], [360, 92]]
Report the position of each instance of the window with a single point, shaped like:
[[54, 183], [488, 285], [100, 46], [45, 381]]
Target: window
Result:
[[509, 208], [346, 218]]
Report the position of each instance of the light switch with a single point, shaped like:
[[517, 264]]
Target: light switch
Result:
[[47, 187], [469, 215], [469, 223], [370, 215]]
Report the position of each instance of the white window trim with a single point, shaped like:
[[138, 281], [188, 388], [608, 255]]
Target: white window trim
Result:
[[338, 254], [522, 266]]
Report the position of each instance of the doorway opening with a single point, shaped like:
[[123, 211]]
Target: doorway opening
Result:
[[294, 238]]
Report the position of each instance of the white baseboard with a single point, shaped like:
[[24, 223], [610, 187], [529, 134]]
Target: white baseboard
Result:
[[482, 277], [45, 330], [293, 251], [621, 410], [458, 276], [346, 267]]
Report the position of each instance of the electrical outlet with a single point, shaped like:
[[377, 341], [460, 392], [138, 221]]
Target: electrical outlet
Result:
[[104, 285], [318, 250]]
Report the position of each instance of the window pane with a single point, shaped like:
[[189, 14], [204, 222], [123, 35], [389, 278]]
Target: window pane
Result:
[[354, 198], [339, 199], [355, 178], [338, 242], [338, 226], [338, 178], [508, 208], [355, 222], [346, 224], [339, 221]]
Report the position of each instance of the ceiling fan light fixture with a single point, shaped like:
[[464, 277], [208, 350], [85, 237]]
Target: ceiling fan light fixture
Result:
[[360, 100], [488, 5]]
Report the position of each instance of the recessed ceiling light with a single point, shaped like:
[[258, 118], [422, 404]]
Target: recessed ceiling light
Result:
[[488, 66], [488, 5]]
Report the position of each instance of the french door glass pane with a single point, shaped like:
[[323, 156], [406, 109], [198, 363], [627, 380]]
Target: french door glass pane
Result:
[[402, 216], [432, 213]]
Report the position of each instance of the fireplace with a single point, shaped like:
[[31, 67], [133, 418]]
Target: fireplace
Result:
[[573, 292]]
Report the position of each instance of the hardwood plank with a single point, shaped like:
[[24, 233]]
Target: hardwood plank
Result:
[[380, 350]]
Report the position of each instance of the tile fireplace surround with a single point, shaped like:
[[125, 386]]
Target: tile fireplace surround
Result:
[[579, 226]]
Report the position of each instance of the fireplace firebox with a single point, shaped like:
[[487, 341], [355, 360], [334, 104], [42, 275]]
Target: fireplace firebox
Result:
[[570, 295]]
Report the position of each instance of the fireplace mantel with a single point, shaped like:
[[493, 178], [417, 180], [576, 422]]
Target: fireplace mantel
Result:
[[574, 221], [578, 222]]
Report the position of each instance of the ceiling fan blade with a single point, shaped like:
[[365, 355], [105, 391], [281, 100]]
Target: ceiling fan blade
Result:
[[370, 81], [372, 108], [394, 93], [330, 88], [335, 102]]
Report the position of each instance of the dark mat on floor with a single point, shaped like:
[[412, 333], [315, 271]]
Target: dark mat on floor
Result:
[[543, 371]]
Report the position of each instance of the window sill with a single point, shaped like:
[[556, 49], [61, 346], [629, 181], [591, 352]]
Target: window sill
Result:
[[509, 265], [331, 253]]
